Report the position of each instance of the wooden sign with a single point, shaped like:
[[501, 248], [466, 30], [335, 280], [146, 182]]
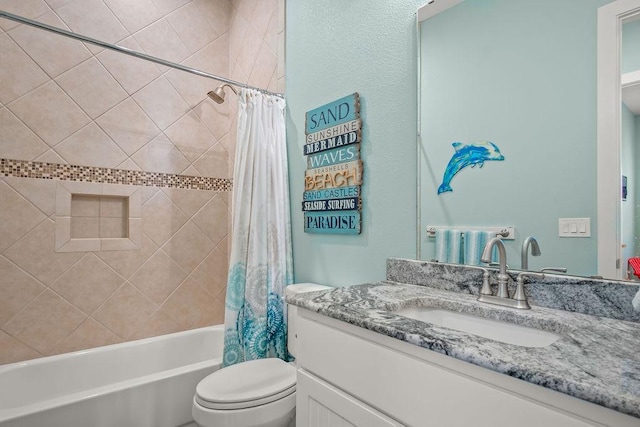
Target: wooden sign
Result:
[[334, 113], [340, 175], [332, 200], [342, 222], [332, 157], [348, 204]]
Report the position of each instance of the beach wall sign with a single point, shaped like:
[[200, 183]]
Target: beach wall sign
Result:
[[332, 201]]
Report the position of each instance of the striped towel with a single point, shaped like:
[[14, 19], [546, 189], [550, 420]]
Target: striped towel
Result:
[[634, 263], [449, 246], [474, 243]]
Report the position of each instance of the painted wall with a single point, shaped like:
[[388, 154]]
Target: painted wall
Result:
[[335, 48], [523, 77], [631, 46]]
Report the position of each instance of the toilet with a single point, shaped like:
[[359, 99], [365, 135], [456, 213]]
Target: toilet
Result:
[[257, 393]]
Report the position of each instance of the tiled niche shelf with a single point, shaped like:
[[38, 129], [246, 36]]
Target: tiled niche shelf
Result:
[[97, 217]]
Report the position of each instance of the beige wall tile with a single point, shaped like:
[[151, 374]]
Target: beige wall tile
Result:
[[192, 27], [266, 63], [17, 216], [128, 126], [158, 324], [212, 219], [35, 254], [189, 201], [246, 8], [125, 312], [237, 32], [168, 6], [113, 228], [40, 192], [85, 205], [188, 247], [132, 73], [45, 322], [89, 334], [18, 141], [190, 136], [91, 147], [50, 113], [271, 37], [161, 218], [214, 163], [161, 102], [262, 14], [134, 15], [82, 227], [27, 8], [160, 40], [92, 18], [214, 57], [92, 87], [17, 289], [186, 304], [192, 88], [12, 350], [249, 49], [127, 262], [51, 156], [53, 53], [215, 116], [160, 155], [214, 315], [18, 73], [281, 55], [88, 283], [158, 277], [114, 207], [54, 4], [217, 12], [212, 273]]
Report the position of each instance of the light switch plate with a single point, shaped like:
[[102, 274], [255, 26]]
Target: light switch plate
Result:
[[574, 227]]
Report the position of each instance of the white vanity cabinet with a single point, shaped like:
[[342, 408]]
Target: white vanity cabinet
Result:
[[350, 376]]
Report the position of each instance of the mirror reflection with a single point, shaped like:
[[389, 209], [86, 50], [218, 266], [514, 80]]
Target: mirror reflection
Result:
[[523, 78]]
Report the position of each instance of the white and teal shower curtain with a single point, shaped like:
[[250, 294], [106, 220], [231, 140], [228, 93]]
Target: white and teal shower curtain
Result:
[[260, 264]]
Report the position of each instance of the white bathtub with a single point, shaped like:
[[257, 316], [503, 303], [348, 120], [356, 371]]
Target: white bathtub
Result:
[[142, 383]]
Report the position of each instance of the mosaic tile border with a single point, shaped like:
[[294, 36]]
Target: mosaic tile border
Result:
[[64, 172]]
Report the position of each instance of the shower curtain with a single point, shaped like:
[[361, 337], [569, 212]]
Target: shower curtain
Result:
[[260, 264]]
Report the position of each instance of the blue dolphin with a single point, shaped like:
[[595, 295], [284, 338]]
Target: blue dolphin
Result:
[[465, 155]]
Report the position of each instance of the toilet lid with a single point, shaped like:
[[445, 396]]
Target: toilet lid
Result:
[[247, 384]]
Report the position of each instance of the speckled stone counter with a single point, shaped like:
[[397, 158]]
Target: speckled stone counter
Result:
[[597, 359]]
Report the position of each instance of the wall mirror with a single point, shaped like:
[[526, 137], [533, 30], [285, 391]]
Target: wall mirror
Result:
[[541, 81]]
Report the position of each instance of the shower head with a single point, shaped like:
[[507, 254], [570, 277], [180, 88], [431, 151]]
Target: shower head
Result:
[[218, 94]]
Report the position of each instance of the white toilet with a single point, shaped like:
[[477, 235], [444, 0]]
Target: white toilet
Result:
[[258, 393]]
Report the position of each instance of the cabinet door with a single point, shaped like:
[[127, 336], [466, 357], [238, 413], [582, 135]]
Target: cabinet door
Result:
[[319, 404]]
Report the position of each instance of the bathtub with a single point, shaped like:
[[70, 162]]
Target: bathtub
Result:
[[144, 383]]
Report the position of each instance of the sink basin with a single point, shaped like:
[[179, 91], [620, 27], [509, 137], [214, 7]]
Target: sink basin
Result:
[[487, 328]]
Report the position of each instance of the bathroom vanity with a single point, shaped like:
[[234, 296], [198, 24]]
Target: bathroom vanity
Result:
[[363, 362]]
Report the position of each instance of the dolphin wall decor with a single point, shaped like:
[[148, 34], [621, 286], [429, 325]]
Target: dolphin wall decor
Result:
[[468, 155]]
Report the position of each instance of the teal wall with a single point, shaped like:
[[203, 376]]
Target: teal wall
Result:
[[631, 46], [524, 77], [335, 48]]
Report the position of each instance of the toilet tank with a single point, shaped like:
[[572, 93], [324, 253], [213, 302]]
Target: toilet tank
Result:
[[297, 288]]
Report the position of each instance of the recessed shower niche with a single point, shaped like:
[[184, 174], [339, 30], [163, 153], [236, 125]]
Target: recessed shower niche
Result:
[[97, 217]]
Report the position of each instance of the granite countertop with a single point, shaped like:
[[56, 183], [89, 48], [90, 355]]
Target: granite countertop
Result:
[[597, 359]]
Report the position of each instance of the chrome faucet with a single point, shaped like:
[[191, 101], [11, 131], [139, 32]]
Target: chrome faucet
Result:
[[519, 299], [524, 253], [503, 277]]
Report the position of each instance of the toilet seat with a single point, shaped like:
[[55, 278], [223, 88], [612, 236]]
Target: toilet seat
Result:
[[247, 385]]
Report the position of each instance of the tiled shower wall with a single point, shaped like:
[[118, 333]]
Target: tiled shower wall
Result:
[[67, 103]]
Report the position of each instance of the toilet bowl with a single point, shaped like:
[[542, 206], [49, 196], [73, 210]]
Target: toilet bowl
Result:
[[257, 393]]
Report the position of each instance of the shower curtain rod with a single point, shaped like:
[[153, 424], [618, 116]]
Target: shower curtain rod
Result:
[[27, 21]]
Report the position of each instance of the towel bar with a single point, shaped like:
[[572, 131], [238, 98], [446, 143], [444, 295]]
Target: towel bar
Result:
[[506, 233]]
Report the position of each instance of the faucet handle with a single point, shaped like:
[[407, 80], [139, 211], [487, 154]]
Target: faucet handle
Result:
[[520, 296], [486, 286]]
